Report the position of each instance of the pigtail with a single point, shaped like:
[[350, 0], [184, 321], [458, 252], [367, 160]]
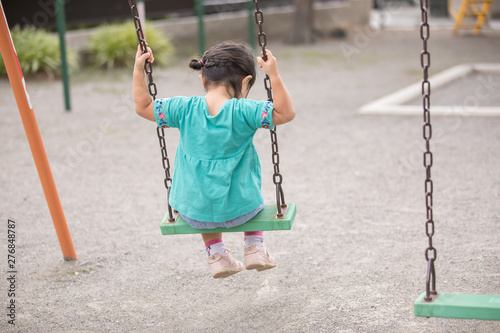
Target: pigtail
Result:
[[196, 64]]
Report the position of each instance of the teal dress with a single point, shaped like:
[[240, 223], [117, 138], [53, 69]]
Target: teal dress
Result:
[[217, 174]]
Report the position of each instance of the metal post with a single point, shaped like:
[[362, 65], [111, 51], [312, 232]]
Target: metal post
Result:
[[61, 28], [35, 140], [141, 9], [251, 21], [200, 9]]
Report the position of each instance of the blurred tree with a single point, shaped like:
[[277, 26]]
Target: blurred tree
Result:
[[301, 31]]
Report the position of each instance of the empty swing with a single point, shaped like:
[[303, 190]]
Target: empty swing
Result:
[[431, 303], [277, 216]]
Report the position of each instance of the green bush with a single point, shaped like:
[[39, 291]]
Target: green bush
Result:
[[115, 45], [38, 51]]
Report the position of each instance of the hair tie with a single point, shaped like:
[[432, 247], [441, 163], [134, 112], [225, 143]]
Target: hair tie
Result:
[[201, 63]]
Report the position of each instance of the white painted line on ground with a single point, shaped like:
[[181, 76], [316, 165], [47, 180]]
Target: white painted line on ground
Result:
[[392, 104]]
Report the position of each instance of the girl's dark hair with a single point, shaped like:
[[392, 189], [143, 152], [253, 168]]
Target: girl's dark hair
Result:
[[226, 63]]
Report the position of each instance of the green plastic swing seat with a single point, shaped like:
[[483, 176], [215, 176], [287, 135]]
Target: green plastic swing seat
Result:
[[460, 306], [264, 221]]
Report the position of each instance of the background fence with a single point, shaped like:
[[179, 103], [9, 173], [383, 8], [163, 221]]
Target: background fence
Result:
[[41, 13]]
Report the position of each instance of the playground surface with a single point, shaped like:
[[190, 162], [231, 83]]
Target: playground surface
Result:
[[354, 259]]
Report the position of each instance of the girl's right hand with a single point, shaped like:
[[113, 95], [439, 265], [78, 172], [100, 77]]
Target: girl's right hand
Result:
[[270, 66], [140, 58]]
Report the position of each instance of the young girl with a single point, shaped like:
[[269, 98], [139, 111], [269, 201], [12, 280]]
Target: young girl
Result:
[[217, 179]]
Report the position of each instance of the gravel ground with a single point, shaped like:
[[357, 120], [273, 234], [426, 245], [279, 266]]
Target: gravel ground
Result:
[[354, 260]]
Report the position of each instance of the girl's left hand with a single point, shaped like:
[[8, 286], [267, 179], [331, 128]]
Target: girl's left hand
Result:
[[141, 58], [270, 65]]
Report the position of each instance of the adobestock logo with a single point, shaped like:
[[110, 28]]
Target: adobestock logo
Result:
[[449, 123], [364, 36], [47, 11]]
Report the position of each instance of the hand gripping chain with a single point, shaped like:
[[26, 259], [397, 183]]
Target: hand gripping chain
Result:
[[152, 91]]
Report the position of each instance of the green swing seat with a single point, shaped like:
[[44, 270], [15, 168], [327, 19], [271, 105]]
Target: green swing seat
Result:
[[460, 306], [265, 220]]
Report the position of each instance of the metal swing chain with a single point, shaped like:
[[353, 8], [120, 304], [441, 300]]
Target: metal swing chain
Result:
[[425, 61], [277, 177], [152, 91]]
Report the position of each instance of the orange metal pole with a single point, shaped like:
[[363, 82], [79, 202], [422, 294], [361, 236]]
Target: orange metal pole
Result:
[[35, 140]]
